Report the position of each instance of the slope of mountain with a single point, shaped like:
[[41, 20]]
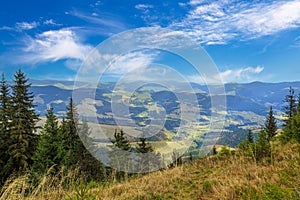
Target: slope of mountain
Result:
[[247, 104], [216, 177]]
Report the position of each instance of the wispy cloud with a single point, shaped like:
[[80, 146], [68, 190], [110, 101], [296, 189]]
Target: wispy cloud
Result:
[[221, 21], [109, 21], [51, 22], [143, 6], [134, 61], [246, 74], [296, 42], [26, 25], [51, 46], [6, 28], [241, 75]]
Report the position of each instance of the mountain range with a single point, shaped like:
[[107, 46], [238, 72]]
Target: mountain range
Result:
[[246, 104]]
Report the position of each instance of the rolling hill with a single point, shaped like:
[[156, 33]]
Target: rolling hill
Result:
[[246, 104]]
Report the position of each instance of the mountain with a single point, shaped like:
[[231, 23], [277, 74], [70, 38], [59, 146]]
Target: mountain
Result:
[[246, 104]]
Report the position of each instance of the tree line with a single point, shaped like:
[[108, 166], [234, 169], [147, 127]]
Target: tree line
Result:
[[290, 132], [57, 147]]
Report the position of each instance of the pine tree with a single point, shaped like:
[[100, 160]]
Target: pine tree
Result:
[[290, 107], [4, 128], [23, 137], [250, 137], [292, 131], [148, 160], [270, 125], [70, 137], [120, 141], [47, 152], [262, 146], [119, 154], [214, 150], [90, 167], [143, 146]]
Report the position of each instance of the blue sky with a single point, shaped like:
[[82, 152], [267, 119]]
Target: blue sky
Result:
[[248, 40]]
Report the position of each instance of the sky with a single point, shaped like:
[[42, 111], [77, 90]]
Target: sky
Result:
[[247, 40]]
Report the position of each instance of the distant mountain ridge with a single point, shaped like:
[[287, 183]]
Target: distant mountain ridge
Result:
[[247, 104], [258, 95]]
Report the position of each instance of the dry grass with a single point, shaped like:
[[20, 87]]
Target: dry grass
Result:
[[227, 177]]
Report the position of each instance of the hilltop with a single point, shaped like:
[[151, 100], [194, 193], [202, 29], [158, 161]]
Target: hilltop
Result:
[[224, 176]]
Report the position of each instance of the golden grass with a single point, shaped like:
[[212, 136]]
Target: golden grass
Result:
[[215, 177]]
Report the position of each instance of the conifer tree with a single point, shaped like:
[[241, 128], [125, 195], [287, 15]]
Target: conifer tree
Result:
[[250, 137], [143, 146], [119, 154], [270, 125], [262, 146], [120, 141], [90, 167], [148, 159], [290, 107], [291, 130], [214, 150], [4, 127], [70, 137], [47, 152], [23, 120]]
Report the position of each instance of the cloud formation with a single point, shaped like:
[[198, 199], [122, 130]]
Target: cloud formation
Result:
[[51, 46], [109, 21], [26, 25], [242, 75], [143, 6], [218, 22], [246, 74]]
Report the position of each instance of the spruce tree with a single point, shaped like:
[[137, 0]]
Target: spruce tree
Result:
[[292, 131], [47, 152], [90, 167], [23, 120], [148, 159], [119, 154], [70, 137], [262, 146], [4, 128], [270, 125], [143, 146], [214, 150], [250, 137], [290, 107], [120, 141]]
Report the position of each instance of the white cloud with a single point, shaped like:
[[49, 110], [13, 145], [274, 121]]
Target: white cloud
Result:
[[296, 42], [26, 25], [143, 6], [220, 21], [131, 62], [104, 19], [6, 28], [241, 75], [51, 46], [51, 22]]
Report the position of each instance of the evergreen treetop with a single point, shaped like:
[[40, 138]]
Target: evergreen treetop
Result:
[[23, 123], [143, 146], [270, 125]]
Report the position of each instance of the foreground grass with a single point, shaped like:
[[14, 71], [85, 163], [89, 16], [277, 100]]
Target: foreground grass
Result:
[[216, 177]]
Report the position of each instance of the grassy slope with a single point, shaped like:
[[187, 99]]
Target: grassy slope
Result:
[[226, 177]]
